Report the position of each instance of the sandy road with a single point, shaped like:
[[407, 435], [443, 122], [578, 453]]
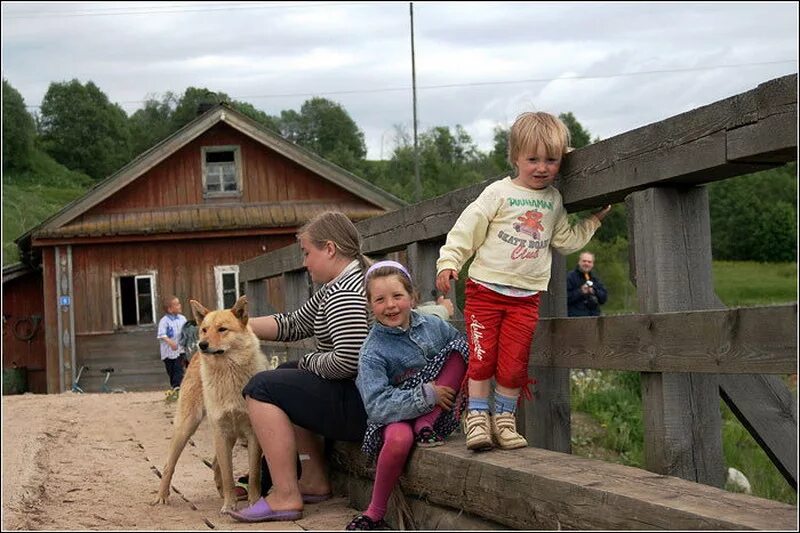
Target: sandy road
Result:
[[90, 462]]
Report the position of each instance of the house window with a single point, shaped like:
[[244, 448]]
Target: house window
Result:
[[135, 300], [227, 283], [221, 171]]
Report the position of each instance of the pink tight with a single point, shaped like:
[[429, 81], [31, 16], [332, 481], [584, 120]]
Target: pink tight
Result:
[[398, 438]]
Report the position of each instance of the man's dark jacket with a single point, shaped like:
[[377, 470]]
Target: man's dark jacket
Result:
[[579, 304]]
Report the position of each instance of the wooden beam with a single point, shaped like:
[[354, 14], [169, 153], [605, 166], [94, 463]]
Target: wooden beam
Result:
[[546, 420], [272, 264], [532, 488], [671, 236], [768, 410], [734, 341], [743, 340], [752, 131]]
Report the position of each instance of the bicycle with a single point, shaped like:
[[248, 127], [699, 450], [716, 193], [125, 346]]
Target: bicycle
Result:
[[105, 388], [75, 387]]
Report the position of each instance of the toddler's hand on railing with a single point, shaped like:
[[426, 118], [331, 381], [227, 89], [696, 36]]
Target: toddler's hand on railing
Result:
[[601, 214], [443, 280]]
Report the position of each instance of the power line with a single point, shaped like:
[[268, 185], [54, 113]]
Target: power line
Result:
[[192, 8], [490, 83]]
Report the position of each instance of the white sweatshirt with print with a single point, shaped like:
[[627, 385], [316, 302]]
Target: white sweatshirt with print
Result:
[[511, 230]]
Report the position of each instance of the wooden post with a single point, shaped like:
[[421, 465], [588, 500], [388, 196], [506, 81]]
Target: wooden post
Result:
[[670, 232], [256, 292], [296, 288], [545, 422], [422, 257]]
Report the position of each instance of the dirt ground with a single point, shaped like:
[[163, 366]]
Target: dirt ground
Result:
[[91, 462]]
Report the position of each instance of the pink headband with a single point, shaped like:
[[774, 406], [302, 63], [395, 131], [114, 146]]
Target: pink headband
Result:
[[393, 264]]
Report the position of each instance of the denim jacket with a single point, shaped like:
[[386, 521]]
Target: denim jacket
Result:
[[391, 355]]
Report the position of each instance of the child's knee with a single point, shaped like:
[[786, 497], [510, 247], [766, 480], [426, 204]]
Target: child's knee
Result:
[[398, 437]]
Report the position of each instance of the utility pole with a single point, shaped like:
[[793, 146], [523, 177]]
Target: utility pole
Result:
[[417, 182]]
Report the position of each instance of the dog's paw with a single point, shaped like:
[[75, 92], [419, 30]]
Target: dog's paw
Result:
[[226, 508], [162, 499]]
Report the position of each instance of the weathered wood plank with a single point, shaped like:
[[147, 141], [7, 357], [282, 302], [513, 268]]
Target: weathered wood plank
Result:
[[546, 420], [272, 264], [742, 340], [737, 341], [672, 246], [532, 488], [744, 133], [768, 410], [426, 515], [771, 140]]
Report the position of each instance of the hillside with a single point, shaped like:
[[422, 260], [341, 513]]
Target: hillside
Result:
[[31, 197]]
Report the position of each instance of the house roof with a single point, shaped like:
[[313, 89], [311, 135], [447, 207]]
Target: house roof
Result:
[[16, 270], [204, 218], [59, 223]]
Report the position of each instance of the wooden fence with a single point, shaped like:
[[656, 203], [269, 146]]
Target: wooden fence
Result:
[[689, 348]]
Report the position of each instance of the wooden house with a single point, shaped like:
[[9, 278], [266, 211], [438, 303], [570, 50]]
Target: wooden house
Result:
[[178, 219]]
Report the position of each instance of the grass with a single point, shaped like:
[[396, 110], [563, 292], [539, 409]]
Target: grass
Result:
[[745, 283], [613, 399], [31, 197]]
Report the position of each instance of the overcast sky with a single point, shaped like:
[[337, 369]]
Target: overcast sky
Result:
[[615, 66]]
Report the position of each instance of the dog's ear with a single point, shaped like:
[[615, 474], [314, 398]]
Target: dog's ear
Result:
[[198, 310], [239, 310]]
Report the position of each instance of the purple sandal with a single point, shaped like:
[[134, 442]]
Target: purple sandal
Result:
[[262, 512]]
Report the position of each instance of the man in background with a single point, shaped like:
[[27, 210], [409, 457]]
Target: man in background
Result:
[[585, 291]]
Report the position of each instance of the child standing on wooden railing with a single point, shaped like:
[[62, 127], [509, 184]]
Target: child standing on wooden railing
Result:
[[511, 228], [410, 371]]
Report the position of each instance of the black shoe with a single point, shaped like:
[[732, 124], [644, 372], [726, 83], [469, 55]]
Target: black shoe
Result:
[[364, 523]]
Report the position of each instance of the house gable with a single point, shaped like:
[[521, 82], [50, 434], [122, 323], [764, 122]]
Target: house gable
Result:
[[171, 161]]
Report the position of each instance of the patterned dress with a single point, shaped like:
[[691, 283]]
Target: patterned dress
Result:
[[448, 421]]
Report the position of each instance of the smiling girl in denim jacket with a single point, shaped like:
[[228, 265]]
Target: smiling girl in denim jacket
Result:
[[410, 375]]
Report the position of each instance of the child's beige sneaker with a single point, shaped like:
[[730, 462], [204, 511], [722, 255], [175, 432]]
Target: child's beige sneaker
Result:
[[479, 434], [504, 432]]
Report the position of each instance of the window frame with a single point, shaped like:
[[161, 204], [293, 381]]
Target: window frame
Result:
[[117, 291], [219, 272], [237, 162]]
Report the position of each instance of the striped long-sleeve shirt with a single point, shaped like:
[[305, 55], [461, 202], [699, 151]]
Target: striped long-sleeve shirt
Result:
[[337, 316]]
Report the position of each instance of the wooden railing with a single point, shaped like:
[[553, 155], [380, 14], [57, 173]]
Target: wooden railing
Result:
[[689, 348]]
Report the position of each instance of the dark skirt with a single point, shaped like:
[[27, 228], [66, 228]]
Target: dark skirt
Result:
[[331, 408]]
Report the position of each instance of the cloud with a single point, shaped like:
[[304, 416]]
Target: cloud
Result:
[[615, 66]]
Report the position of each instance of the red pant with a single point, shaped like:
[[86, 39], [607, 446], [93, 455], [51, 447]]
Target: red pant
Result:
[[499, 332]]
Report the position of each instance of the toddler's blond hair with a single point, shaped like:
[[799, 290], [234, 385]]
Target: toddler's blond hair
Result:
[[534, 129]]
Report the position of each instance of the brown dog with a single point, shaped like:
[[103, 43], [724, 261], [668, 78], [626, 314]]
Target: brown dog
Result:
[[228, 355]]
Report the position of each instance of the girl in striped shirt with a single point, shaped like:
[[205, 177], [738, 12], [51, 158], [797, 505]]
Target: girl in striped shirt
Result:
[[295, 405]]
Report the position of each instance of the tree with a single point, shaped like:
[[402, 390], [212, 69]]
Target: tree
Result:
[[19, 131], [447, 162], [579, 137], [324, 127], [82, 130], [153, 123], [189, 104], [499, 154], [754, 217]]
